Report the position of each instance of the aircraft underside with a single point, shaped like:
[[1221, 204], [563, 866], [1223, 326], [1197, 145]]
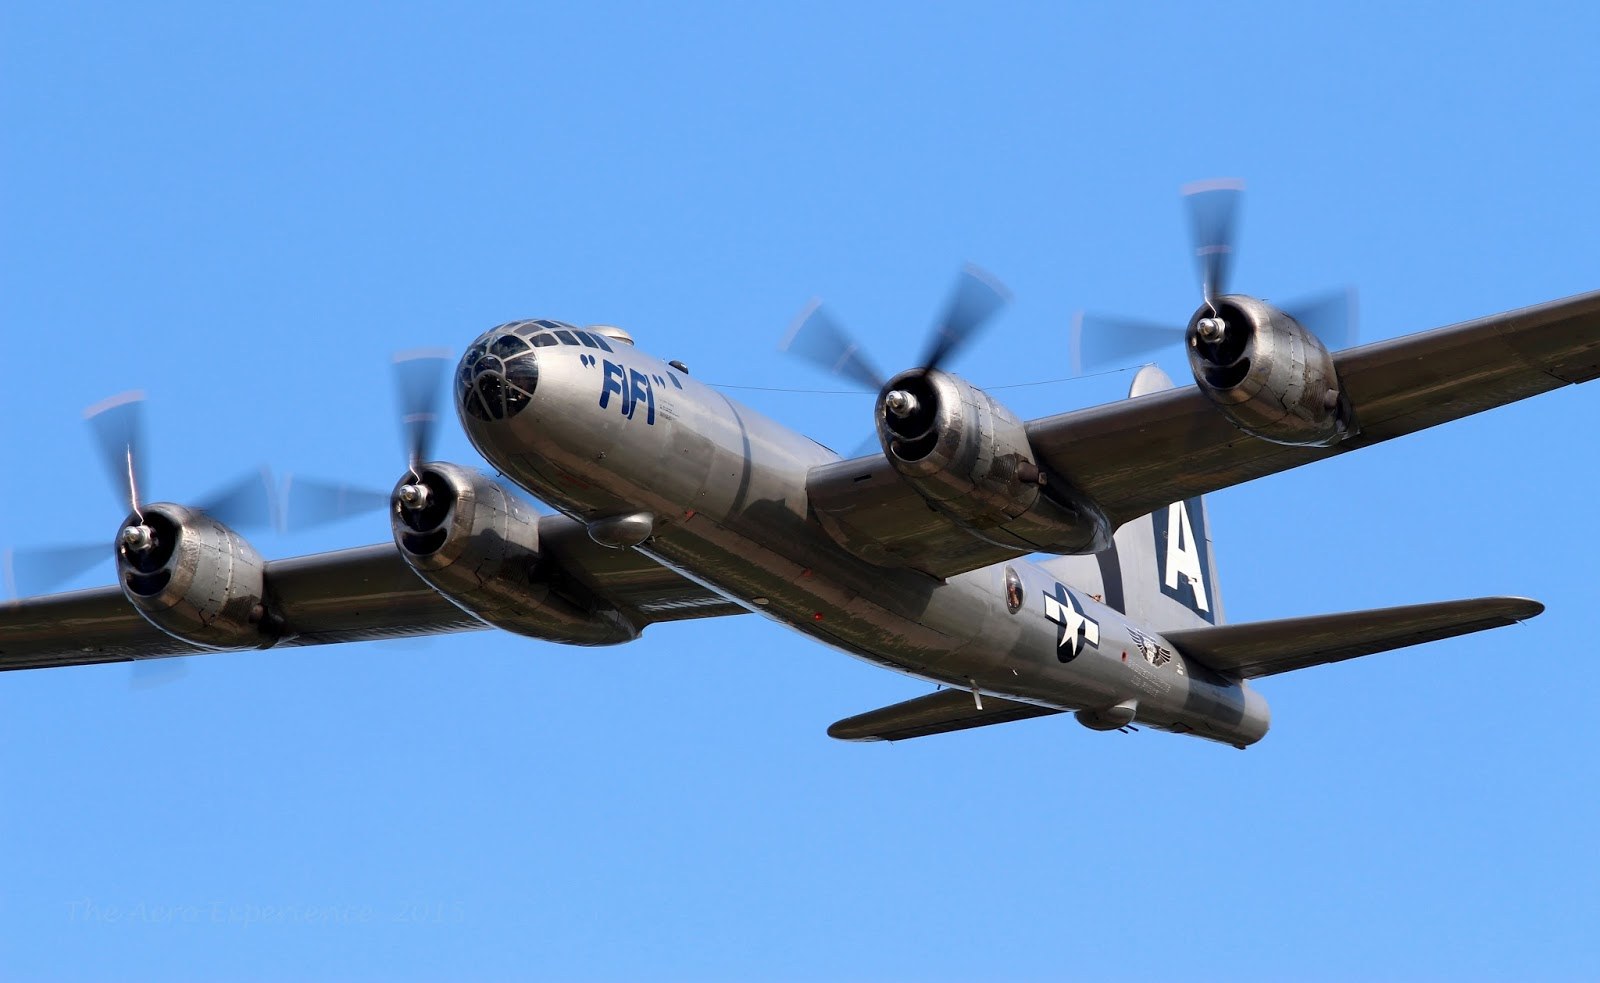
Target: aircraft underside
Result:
[[1032, 567]]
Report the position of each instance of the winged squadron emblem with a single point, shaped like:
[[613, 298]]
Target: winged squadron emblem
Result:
[[1154, 654]]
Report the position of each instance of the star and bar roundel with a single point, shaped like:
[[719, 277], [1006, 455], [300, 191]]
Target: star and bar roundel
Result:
[[1077, 628]]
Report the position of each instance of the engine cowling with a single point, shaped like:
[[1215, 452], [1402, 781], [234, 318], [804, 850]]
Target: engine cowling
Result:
[[478, 545], [969, 456], [1270, 376], [194, 578]]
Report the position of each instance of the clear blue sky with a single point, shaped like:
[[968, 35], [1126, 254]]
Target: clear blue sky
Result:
[[245, 212]]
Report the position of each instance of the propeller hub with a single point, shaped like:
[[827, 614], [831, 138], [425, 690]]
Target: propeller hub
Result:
[[1211, 329], [900, 403], [138, 539], [414, 497]]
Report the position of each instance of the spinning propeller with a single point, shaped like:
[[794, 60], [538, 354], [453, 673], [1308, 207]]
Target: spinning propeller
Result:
[[419, 376], [816, 337], [1101, 341], [117, 426]]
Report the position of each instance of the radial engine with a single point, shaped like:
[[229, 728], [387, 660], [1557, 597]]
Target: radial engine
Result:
[[969, 456], [194, 578], [1269, 375], [478, 545]]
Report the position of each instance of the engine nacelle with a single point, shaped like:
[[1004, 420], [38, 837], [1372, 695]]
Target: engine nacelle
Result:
[[1271, 377], [478, 545], [969, 456], [194, 578]]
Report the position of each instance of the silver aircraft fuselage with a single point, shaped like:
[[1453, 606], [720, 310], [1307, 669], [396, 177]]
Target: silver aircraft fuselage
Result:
[[619, 439]]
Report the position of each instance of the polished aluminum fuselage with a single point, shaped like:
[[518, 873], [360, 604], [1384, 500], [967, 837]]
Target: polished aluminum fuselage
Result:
[[608, 434]]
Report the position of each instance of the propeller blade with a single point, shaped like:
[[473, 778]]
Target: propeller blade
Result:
[[249, 502], [870, 444], [1099, 341], [1330, 316], [816, 337], [145, 674], [418, 377], [118, 427], [37, 571], [1213, 211], [977, 297], [309, 503]]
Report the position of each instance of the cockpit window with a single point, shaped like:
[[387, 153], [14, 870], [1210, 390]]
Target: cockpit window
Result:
[[497, 376], [523, 374], [593, 340], [499, 372], [542, 333], [507, 345]]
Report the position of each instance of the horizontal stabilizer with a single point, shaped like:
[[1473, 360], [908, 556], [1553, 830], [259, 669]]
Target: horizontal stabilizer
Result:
[[937, 713], [1264, 648]]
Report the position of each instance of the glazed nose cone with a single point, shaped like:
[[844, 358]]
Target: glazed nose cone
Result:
[[497, 376]]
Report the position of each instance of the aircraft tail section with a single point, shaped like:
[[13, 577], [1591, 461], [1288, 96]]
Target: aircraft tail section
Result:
[[1161, 570]]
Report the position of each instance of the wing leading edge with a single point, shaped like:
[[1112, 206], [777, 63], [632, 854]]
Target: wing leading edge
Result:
[[1141, 454], [351, 595], [345, 596]]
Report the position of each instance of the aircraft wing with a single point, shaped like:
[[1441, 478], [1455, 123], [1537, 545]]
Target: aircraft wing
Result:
[[1142, 454], [1264, 648], [360, 594], [937, 713]]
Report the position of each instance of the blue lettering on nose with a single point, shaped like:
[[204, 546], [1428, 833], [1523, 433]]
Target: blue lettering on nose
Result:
[[614, 376], [633, 388], [639, 388]]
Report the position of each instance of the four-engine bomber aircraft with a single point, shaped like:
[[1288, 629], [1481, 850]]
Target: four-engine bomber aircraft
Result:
[[676, 503]]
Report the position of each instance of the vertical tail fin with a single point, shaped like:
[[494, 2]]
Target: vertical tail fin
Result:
[[1169, 569], [1161, 569]]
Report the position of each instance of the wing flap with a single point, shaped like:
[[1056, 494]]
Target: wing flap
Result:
[[937, 713], [1265, 648]]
